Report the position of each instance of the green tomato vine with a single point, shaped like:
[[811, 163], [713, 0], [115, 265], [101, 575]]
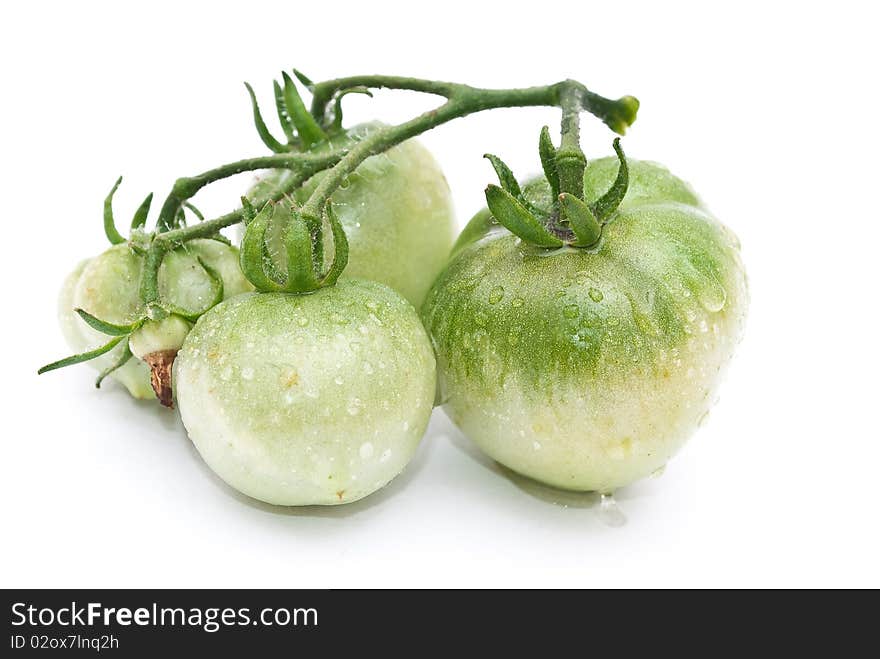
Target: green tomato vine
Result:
[[572, 222]]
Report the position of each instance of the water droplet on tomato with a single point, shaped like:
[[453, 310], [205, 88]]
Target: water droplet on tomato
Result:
[[712, 296], [481, 319], [496, 295], [609, 512], [302, 321], [571, 311], [517, 302], [596, 295]]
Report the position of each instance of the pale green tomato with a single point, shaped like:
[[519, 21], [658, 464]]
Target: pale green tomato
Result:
[[396, 211], [307, 399], [107, 287], [587, 369]]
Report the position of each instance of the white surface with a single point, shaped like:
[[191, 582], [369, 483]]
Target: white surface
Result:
[[770, 112]]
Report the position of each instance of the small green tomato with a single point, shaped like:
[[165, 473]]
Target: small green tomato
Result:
[[298, 399], [106, 287], [588, 368]]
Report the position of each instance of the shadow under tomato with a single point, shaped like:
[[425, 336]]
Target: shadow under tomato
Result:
[[547, 493]]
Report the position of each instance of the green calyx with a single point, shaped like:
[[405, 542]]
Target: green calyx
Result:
[[302, 130], [571, 221], [303, 240]]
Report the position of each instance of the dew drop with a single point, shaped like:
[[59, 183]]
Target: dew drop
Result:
[[354, 406], [517, 302], [712, 297], [596, 295], [481, 319], [247, 373], [571, 311], [302, 321], [366, 451], [496, 295], [609, 512], [368, 368]]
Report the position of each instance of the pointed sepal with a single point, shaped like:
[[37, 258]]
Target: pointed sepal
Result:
[[608, 203], [304, 79], [110, 231], [262, 130], [81, 357], [140, 215], [252, 255], [310, 133], [283, 113], [299, 245], [340, 247], [337, 106], [547, 152], [102, 326], [119, 363], [505, 176], [581, 220], [517, 219]]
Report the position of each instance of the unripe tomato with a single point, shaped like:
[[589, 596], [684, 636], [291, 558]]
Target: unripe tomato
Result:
[[587, 369], [307, 399], [396, 210], [107, 288]]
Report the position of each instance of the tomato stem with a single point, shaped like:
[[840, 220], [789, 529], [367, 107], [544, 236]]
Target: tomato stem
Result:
[[569, 159], [461, 100]]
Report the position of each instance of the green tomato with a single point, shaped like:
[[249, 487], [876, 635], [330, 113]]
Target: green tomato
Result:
[[307, 399], [587, 369], [107, 287], [396, 210]]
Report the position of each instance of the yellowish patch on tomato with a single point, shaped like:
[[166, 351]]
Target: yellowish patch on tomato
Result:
[[290, 379]]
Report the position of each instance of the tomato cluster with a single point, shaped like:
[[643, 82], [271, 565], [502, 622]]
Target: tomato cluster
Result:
[[584, 363]]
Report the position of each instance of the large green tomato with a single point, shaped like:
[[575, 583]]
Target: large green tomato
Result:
[[396, 211], [307, 399], [587, 369], [106, 286]]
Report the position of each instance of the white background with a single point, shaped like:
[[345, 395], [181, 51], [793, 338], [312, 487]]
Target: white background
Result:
[[770, 110]]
